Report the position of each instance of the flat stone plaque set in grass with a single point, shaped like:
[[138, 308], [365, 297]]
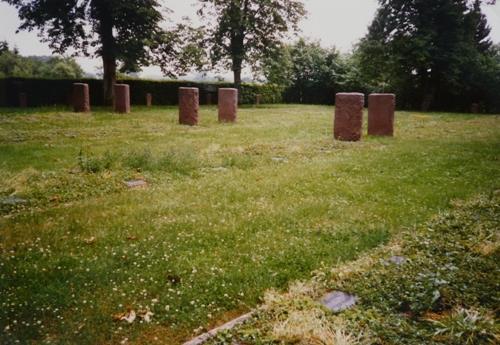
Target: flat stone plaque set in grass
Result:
[[349, 107]]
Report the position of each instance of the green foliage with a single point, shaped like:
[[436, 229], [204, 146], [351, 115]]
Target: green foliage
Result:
[[58, 91], [181, 162], [243, 32], [467, 327], [86, 24], [139, 160], [85, 247], [14, 65], [269, 93], [238, 161], [56, 68], [433, 54], [124, 33], [91, 164], [449, 266], [446, 292], [311, 73], [277, 66]]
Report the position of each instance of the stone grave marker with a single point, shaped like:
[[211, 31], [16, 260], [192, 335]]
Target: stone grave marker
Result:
[[228, 104], [189, 105], [381, 107], [348, 116], [81, 98], [338, 301], [134, 184], [122, 98]]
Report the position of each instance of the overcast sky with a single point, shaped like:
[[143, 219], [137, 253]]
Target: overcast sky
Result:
[[339, 23]]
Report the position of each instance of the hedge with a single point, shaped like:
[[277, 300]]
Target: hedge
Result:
[[43, 92]]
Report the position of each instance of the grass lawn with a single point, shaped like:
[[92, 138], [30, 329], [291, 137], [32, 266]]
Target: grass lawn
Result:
[[230, 210], [435, 284]]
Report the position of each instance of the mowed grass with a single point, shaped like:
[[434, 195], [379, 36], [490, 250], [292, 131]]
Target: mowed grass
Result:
[[230, 210]]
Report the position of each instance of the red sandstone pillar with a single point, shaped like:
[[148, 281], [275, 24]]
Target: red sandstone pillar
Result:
[[228, 105], [258, 99], [189, 103], [348, 116], [209, 98], [381, 107], [23, 100], [149, 99], [122, 98], [81, 100]]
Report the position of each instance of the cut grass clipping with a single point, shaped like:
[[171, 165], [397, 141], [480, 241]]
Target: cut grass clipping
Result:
[[228, 212], [446, 292]]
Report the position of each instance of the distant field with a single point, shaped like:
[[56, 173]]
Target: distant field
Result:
[[230, 210]]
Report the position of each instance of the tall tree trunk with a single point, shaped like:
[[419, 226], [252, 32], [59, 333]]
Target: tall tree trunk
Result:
[[237, 67], [237, 77], [109, 78], [429, 90], [108, 52]]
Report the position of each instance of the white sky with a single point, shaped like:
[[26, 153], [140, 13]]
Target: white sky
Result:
[[339, 23]]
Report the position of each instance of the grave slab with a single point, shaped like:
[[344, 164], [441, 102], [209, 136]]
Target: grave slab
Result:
[[338, 301], [133, 184], [398, 260], [13, 200]]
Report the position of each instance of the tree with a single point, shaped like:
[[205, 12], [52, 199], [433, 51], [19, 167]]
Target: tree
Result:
[[277, 66], [12, 64], [4, 46], [425, 49], [56, 67], [244, 31], [309, 72], [122, 33]]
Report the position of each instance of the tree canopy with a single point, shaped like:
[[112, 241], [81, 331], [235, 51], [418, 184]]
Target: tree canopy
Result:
[[244, 31], [12, 64], [433, 52], [124, 34], [311, 73]]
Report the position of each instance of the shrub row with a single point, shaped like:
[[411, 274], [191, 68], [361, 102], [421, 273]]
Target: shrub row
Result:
[[42, 92]]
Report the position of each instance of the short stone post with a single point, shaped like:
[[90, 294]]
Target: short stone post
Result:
[[122, 98], [381, 107], [189, 104], [23, 100], [258, 99], [149, 100], [348, 116], [228, 105], [81, 99]]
